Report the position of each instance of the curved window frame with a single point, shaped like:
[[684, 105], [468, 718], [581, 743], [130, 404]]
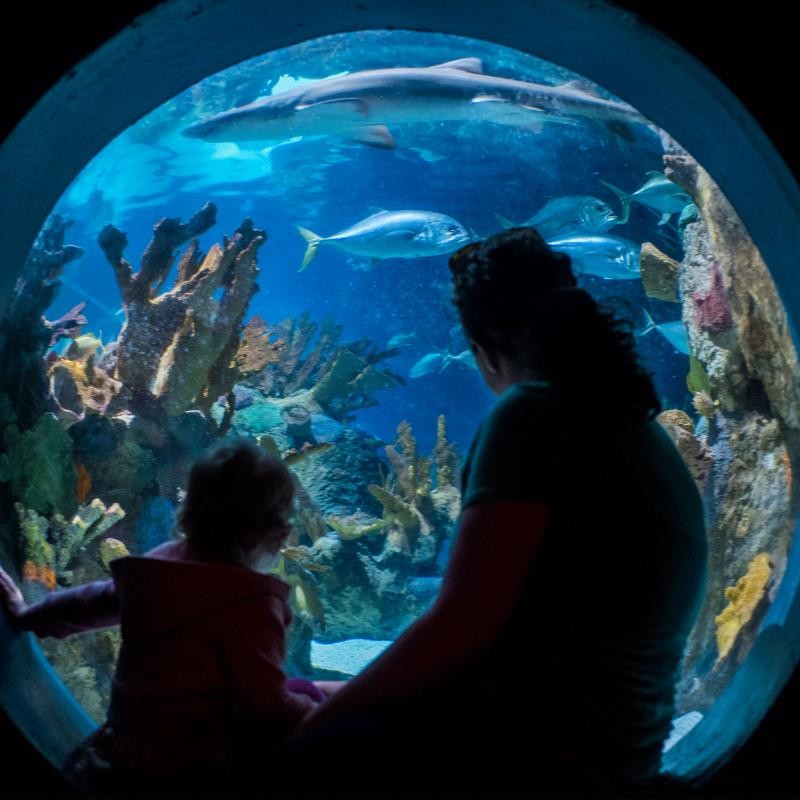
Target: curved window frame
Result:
[[183, 41]]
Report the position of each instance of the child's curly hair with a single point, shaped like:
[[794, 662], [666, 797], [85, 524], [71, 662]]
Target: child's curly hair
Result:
[[238, 496]]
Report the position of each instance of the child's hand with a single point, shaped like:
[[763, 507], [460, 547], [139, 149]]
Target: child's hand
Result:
[[329, 687], [11, 597]]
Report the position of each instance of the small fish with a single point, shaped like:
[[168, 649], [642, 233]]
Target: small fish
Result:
[[579, 213], [674, 332], [393, 234], [602, 255], [658, 193], [81, 348], [402, 340]]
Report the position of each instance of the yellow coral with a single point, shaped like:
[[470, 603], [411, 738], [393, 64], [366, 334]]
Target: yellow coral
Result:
[[674, 416], [742, 601], [704, 405], [111, 549]]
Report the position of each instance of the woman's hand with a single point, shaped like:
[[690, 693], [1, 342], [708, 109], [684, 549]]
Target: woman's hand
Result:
[[11, 597]]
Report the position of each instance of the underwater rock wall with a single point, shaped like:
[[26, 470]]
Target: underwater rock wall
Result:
[[746, 383]]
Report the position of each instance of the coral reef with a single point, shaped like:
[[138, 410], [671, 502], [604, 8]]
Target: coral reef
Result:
[[745, 383], [743, 598], [659, 274], [37, 464], [696, 453], [182, 345], [25, 334], [110, 549], [50, 546]]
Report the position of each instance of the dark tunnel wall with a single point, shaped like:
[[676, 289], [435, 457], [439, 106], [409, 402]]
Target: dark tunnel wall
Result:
[[751, 49]]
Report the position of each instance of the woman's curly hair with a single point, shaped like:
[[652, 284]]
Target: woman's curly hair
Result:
[[238, 496], [518, 297]]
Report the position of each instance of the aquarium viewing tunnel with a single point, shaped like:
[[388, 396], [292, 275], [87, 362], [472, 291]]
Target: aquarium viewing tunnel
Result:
[[212, 228]]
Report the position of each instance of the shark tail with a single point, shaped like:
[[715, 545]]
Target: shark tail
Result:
[[625, 200], [505, 222], [313, 241]]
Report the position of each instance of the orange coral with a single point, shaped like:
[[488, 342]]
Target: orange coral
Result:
[[256, 351], [40, 573], [789, 473], [84, 485]]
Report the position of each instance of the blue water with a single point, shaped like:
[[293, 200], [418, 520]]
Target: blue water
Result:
[[469, 171]]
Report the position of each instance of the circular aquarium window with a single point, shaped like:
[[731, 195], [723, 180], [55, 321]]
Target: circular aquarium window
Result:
[[264, 255]]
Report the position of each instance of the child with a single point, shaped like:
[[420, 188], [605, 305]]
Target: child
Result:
[[199, 677]]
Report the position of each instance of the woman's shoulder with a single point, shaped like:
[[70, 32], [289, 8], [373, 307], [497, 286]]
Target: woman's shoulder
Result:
[[526, 399]]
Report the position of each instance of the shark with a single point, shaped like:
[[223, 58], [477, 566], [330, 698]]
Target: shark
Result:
[[362, 106]]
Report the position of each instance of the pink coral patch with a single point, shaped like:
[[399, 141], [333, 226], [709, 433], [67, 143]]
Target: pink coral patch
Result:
[[713, 309]]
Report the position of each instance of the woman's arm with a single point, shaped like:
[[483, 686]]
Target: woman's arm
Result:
[[491, 557]]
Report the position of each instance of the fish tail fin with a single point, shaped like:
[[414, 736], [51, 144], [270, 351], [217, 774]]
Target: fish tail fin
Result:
[[624, 199], [649, 325], [313, 241], [506, 223]]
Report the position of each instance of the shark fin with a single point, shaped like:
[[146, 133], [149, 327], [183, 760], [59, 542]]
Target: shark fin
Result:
[[580, 86], [488, 98], [373, 135], [474, 65], [625, 200], [665, 218], [354, 104], [313, 241], [506, 223]]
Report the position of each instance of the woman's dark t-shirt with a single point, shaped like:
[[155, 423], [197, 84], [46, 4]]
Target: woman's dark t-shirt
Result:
[[614, 588]]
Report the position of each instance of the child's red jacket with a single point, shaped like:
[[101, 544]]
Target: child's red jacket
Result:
[[201, 659]]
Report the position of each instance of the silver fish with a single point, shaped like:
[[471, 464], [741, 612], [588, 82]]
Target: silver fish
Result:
[[602, 255], [428, 364], [402, 340], [573, 214], [658, 193], [393, 234], [674, 332], [361, 105], [438, 362]]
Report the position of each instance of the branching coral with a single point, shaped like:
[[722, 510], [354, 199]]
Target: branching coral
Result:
[[293, 369], [110, 549], [24, 333], [153, 319], [412, 504], [183, 345], [256, 350], [354, 526], [743, 598], [351, 379], [50, 545]]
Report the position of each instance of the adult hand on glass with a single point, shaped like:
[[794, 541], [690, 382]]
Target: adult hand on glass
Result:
[[11, 597]]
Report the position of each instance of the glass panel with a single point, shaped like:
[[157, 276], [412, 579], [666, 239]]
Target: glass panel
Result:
[[331, 339]]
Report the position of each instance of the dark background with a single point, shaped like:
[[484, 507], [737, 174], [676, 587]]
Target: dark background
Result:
[[752, 48]]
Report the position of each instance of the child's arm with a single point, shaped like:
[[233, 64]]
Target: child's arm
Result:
[[64, 612]]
